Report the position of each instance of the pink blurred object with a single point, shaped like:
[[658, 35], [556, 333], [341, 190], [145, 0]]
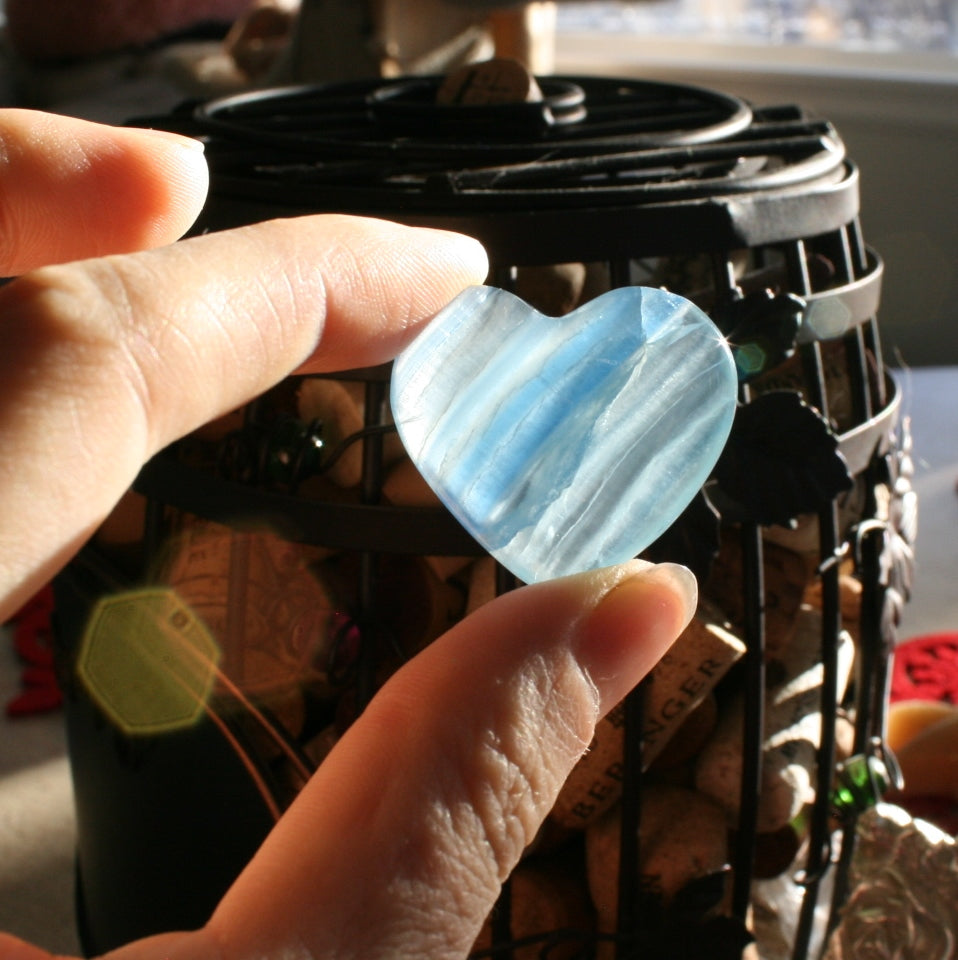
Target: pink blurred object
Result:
[[49, 30]]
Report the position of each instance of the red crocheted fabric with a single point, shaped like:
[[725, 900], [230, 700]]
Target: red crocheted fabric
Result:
[[926, 668], [33, 641]]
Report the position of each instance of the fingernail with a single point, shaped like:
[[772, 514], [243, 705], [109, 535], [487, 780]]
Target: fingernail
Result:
[[634, 624], [682, 581]]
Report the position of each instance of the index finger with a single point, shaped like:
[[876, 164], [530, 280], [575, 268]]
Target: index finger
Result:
[[107, 361]]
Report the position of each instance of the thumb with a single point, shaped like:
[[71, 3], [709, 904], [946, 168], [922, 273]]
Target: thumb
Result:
[[399, 844], [13, 948]]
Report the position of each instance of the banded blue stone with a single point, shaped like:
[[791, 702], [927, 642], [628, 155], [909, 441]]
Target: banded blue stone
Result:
[[563, 444]]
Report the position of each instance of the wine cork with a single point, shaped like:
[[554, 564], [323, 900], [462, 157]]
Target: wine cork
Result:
[[330, 402], [291, 775], [678, 683], [317, 748], [850, 602], [690, 275], [787, 575], [598, 280], [393, 450], [554, 289], [404, 486], [549, 905], [839, 393], [844, 736], [360, 392], [499, 80], [595, 783], [803, 537], [125, 523], [482, 583], [792, 733], [421, 606], [775, 852], [261, 600], [408, 606], [689, 738], [685, 675], [682, 837]]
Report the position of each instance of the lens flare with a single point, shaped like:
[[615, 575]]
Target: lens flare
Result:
[[148, 661]]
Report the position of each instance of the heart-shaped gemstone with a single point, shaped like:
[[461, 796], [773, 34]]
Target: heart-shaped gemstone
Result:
[[563, 444]]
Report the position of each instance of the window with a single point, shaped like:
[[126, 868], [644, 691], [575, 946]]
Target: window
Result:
[[865, 25]]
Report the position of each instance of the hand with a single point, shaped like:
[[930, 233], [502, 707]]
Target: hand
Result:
[[391, 850], [106, 361]]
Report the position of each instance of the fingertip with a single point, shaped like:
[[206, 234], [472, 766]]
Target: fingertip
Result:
[[633, 626], [681, 582], [383, 281], [445, 263], [181, 166], [470, 255], [450, 262]]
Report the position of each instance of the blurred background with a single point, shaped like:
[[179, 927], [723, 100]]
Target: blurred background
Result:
[[885, 72]]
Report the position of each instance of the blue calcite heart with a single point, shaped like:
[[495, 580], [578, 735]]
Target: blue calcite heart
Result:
[[563, 444]]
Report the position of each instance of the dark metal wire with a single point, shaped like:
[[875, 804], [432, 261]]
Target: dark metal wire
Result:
[[671, 170]]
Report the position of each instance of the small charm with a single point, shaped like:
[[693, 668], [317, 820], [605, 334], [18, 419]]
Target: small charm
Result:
[[563, 444], [861, 782]]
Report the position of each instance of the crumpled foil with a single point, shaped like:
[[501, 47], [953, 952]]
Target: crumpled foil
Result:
[[904, 891], [777, 906]]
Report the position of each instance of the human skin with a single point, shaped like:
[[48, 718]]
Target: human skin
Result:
[[396, 847]]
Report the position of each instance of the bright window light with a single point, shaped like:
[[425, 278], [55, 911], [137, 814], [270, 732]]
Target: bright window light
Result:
[[856, 25]]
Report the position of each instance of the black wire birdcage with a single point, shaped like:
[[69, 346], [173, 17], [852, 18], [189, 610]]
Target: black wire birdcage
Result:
[[750, 212]]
